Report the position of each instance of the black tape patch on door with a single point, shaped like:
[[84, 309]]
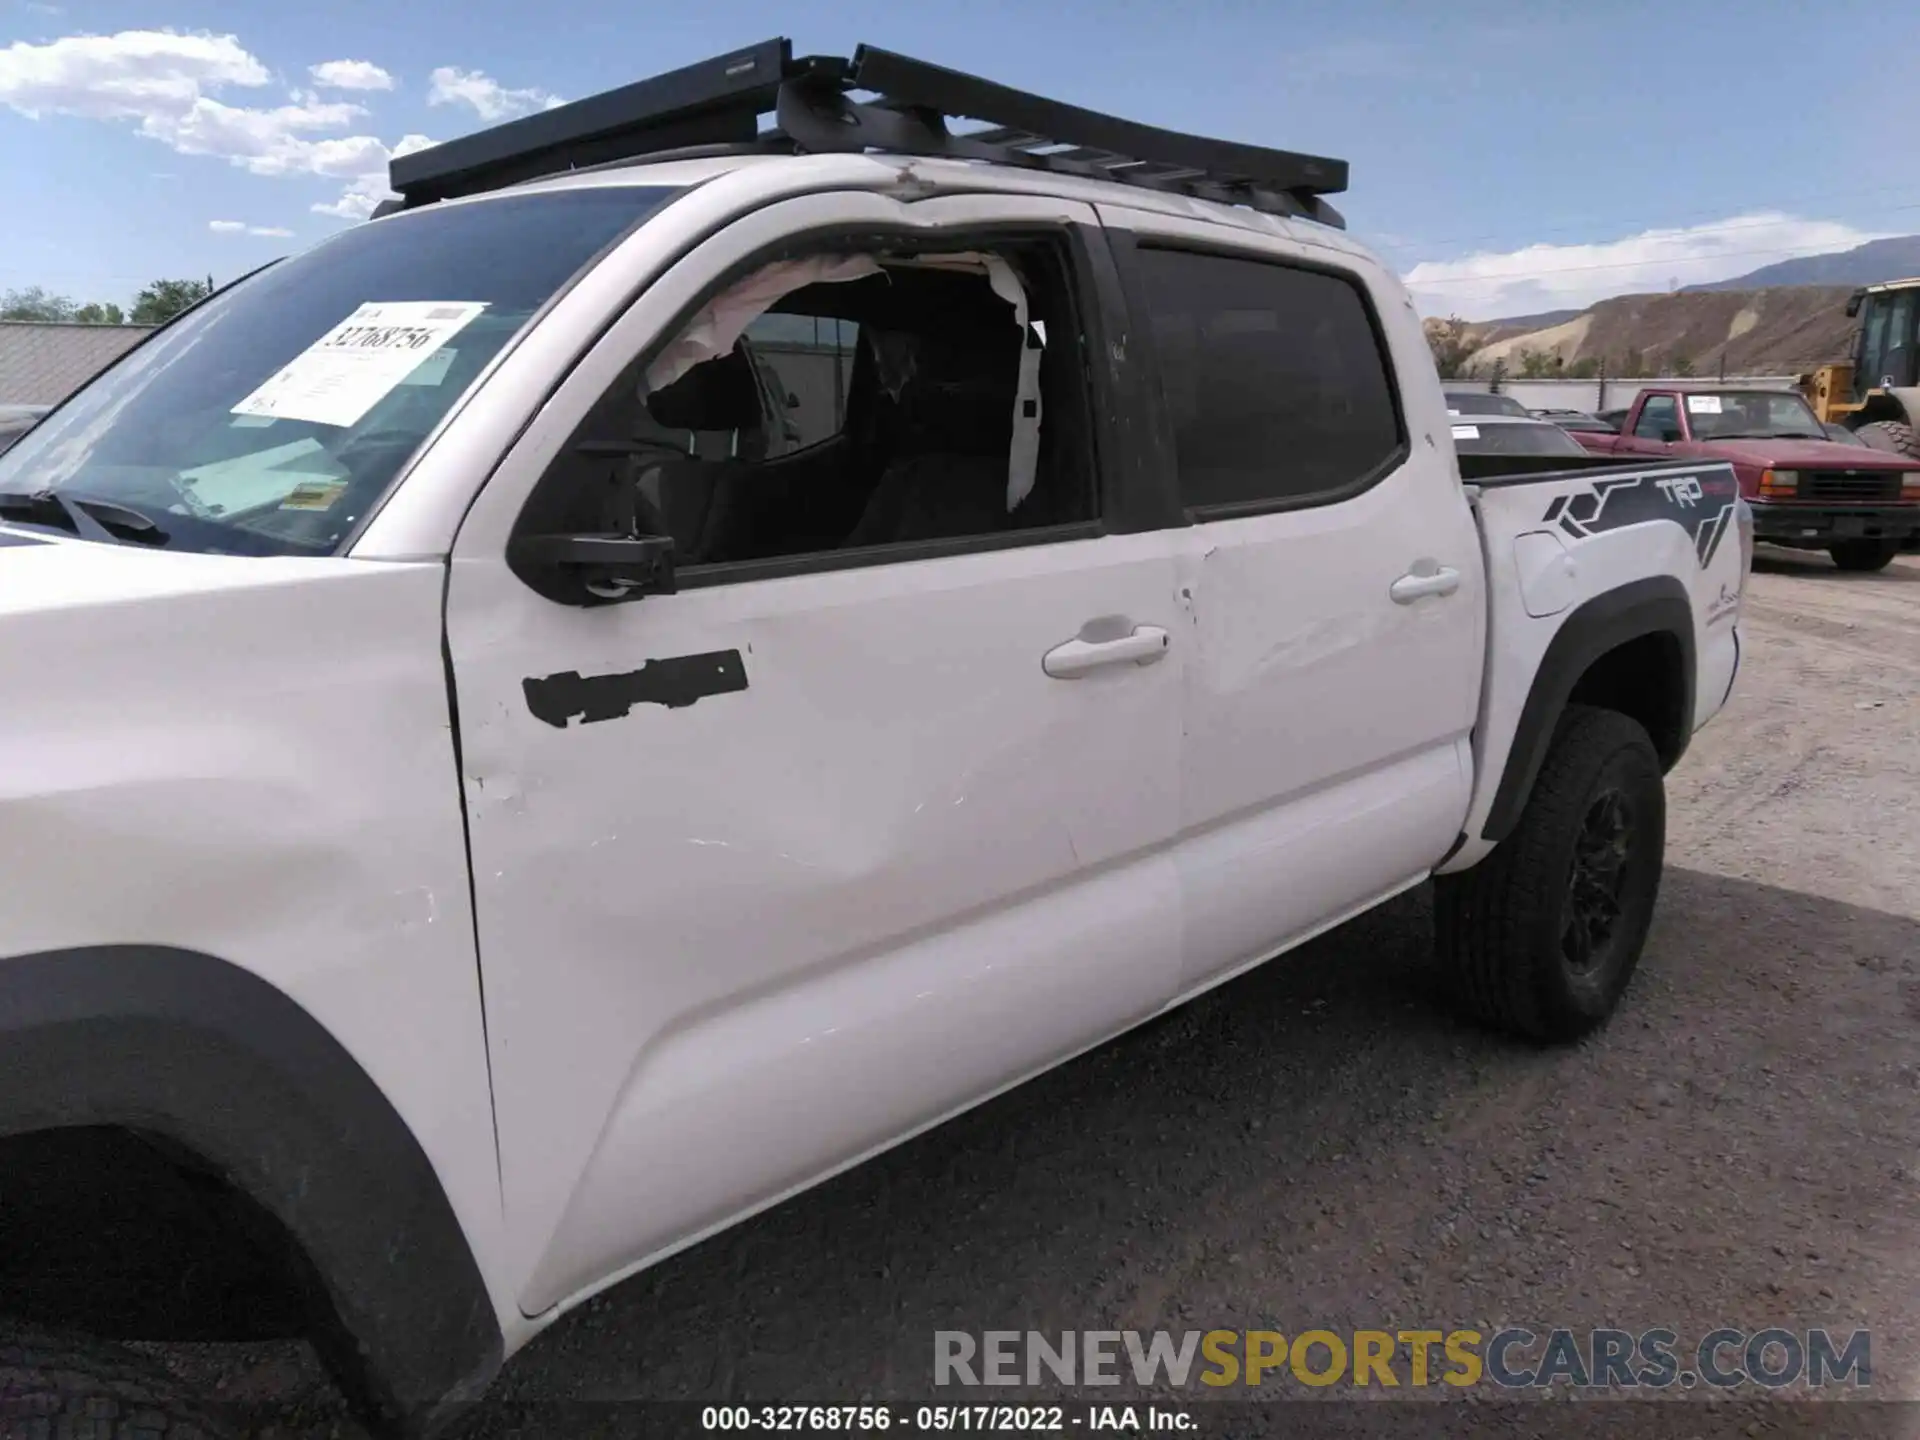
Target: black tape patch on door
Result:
[[1699, 502], [675, 682]]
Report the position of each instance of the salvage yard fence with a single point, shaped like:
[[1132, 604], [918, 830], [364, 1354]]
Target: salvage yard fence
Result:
[[1614, 394]]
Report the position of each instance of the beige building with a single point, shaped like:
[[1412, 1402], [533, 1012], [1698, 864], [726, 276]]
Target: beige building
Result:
[[42, 364]]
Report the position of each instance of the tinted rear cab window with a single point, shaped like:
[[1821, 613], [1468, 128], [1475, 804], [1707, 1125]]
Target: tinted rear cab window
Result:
[[1274, 379], [1474, 402], [1520, 438]]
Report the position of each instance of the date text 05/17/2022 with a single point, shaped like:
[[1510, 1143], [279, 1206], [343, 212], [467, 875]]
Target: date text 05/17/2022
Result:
[[942, 1419]]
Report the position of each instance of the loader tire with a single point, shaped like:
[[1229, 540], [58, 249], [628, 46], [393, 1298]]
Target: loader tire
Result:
[[1891, 436]]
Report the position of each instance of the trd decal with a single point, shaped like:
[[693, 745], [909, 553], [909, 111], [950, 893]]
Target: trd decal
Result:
[[1699, 502], [675, 682]]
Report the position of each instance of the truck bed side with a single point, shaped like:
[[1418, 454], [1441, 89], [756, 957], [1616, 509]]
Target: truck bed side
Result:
[[1619, 581]]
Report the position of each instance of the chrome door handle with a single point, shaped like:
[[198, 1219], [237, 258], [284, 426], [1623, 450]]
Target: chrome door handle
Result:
[[1409, 588], [1070, 661]]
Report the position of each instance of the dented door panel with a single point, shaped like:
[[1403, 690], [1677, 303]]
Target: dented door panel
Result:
[[1328, 725], [859, 863], [1328, 716], [771, 874]]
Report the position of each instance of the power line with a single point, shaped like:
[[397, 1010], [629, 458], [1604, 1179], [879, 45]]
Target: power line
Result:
[[1729, 228], [1506, 278], [1569, 227]]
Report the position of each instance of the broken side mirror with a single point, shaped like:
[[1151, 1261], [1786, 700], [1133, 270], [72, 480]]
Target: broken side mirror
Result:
[[594, 569]]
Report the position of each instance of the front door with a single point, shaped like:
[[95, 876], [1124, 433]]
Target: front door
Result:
[[1656, 429], [779, 868], [1333, 578]]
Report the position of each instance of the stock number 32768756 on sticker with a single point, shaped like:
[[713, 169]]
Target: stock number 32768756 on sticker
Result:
[[919, 1419]]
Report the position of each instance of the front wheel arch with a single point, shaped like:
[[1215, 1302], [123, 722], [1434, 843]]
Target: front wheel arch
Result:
[[215, 1061]]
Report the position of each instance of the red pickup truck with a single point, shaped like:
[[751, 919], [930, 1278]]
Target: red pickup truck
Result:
[[1860, 505]]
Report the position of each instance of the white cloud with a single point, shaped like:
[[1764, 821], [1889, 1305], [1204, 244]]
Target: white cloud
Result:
[[141, 75], [240, 227], [350, 75], [450, 85], [166, 84], [1565, 277], [359, 199], [368, 188]]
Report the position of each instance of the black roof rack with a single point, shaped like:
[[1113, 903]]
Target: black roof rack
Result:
[[719, 102]]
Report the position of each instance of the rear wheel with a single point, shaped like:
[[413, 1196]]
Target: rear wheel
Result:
[[1863, 555], [1542, 936], [1891, 436], [60, 1388]]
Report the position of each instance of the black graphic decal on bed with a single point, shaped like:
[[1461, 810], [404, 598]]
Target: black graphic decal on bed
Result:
[[1699, 502]]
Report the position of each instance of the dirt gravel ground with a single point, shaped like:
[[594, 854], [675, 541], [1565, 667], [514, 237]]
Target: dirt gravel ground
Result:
[[1321, 1145]]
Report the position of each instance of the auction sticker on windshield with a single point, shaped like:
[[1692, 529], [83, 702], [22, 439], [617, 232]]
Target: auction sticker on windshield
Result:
[[1703, 404], [354, 366], [1466, 432]]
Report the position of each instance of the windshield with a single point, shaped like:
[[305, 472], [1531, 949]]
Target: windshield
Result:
[[270, 418], [1751, 415], [1532, 438], [1473, 402]]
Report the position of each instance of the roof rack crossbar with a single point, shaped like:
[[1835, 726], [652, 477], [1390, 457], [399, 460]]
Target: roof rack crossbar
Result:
[[715, 107], [717, 101], [953, 93]]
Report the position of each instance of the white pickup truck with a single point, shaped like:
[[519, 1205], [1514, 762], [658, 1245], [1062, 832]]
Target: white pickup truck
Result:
[[577, 709]]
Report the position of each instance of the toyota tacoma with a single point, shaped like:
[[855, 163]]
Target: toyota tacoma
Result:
[[681, 656]]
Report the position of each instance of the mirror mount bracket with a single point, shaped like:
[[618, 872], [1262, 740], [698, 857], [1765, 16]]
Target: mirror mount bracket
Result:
[[603, 569]]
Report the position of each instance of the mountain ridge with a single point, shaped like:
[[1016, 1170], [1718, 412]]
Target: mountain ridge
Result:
[[1895, 258], [1782, 318], [1783, 329]]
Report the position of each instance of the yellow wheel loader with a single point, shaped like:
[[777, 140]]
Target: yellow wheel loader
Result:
[[1876, 395]]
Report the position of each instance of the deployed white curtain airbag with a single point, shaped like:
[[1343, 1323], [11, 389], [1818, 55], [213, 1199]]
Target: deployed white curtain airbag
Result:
[[725, 318], [1023, 462], [720, 324]]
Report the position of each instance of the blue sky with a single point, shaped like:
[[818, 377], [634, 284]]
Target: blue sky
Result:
[[1506, 157]]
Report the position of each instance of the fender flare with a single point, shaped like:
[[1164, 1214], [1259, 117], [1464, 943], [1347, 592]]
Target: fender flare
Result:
[[1658, 605], [196, 1050]]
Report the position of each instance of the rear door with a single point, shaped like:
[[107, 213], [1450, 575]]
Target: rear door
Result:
[[1331, 578], [774, 870]]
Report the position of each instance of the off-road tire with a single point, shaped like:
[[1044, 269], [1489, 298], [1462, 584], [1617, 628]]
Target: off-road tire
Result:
[[1891, 436], [61, 1388], [1503, 929], [1863, 557]]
